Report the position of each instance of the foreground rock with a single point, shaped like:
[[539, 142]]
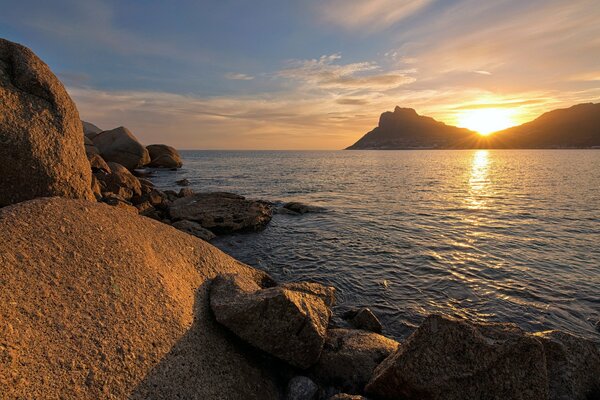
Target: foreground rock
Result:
[[163, 156], [222, 212], [96, 303], [287, 321], [41, 141], [119, 145], [350, 356], [450, 359]]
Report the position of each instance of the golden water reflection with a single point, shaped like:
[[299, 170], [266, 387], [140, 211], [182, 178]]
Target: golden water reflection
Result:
[[479, 180]]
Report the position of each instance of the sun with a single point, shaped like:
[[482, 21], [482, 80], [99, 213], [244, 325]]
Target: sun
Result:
[[487, 120]]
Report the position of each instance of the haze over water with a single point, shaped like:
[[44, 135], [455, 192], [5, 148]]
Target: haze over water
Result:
[[493, 235]]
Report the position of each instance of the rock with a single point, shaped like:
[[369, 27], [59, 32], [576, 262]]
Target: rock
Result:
[[573, 366], [450, 359], [163, 156], [284, 322], [90, 130], [119, 145], [222, 212], [155, 197], [301, 388], [96, 188], [349, 357], [185, 192], [146, 185], [144, 208], [97, 163], [183, 182], [90, 149], [171, 195], [194, 228], [345, 396], [364, 319], [302, 208], [598, 326], [40, 132], [121, 182], [118, 202]]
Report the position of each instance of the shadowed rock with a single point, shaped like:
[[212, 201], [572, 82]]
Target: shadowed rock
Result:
[[120, 182], [222, 212], [90, 130], [121, 146], [163, 156], [97, 163], [349, 357], [450, 359], [301, 208], [287, 321], [346, 396], [364, 319], [41, 139], [193, 228], [301, 388]]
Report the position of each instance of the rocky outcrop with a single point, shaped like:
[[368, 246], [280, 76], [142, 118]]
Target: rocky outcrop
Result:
[[163, 156], [301, 208], [194, 228], [41, 140], [451, 359], [349, 357], [119, 145], [98, 303], [90, 130], [363, 318], [120, 182], [287, 321], [98, 164], [222, 212]]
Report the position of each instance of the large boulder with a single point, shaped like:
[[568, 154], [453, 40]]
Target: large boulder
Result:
[[97, 303], [120, 182], [90, 130], [222, 212], [194, 228], [349, 358], [287, 321], [573, 366], [163, 156], [450, 359], [41, 139], [121, 146]]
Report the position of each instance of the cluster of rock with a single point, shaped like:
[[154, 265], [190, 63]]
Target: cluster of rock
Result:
[[444, 358]]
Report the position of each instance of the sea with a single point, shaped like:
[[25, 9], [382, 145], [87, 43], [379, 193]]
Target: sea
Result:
[[488, 235]]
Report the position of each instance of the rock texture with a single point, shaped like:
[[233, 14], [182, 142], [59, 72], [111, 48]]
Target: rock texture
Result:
[[92, 309], [287, 321], [120, 182], [41, 139], [90, 130], [121, 146], [450, 359], [301, 388], [193, 228], [364, 319], [349, 357], [163, 156], [222, 212]]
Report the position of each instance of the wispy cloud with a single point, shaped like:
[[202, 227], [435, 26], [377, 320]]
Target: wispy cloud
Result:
[[372, 15], [238, 76]]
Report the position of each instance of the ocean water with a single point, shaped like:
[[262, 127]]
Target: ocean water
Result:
[[492, 235]]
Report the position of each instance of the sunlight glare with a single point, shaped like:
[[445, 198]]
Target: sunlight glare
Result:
[[487, 120]]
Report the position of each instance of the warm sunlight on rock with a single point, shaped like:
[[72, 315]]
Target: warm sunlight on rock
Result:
[[487, 120]]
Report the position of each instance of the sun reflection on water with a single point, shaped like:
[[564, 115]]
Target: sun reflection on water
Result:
[[479, 180]]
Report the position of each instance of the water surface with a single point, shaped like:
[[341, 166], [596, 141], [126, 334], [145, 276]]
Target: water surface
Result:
[[498, 235]]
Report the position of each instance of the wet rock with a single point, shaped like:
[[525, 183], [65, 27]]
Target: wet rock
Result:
[[573, 366], [194, 228], [42, 149], [120, 182], [301, 388], [364, 319], [301, 208], [222, 212], [163, 156], [119, 145], [288, 322], [185, 192], [349, 357], [183, 182], [171, 195], [450, 359]]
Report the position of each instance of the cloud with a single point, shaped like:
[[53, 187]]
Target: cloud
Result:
[[238, 77], [352, 102], [372, 15], [481, 72]]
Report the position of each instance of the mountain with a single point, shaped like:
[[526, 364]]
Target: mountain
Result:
[[574, 127], [405, 129], [577, 126]]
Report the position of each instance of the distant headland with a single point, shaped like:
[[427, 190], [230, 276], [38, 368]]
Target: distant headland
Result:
[[574, 127]]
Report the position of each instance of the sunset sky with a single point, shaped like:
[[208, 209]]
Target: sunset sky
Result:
[[300, 74]]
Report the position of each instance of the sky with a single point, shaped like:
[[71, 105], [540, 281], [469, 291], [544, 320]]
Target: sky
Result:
[[307, 74]]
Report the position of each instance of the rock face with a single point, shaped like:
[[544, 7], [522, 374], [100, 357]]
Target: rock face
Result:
[[41, 138], [450, 359], [222, 212], [163, 156], [350, 356], [114, 305], [573, 366], [121, 146], [287, 321]]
